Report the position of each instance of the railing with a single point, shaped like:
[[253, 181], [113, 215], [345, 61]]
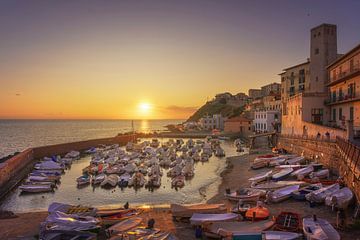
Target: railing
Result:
[[321, 138], [350, 154], [344, 73]]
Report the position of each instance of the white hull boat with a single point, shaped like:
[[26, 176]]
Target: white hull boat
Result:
[[320, 195], [324, 173], [302, 172], [200, 218], [296, 160], [111, 180], [340, 199], [282, 193], [246, 195], [282, 174], [319, 229], [36, 188], [277, 185], [260, 177]]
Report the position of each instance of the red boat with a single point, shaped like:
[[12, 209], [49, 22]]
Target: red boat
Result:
[[288, 221]]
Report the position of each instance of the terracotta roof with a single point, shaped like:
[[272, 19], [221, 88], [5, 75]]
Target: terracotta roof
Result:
[[238, 119]]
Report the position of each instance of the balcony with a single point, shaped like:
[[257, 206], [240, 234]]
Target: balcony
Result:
[[344, 75], [342, 99]]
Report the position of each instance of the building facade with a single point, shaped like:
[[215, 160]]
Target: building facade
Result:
[[272, 88], [239, 125], [267, 121], [215, 121], [344, 90], [255, 93]]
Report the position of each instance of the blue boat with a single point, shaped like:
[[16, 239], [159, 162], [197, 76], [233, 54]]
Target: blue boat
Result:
[[302, 192]]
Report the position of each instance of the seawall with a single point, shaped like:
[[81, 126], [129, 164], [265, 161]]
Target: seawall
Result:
[[13, 170], [340, 156]]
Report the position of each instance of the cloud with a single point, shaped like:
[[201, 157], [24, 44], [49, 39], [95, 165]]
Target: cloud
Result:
[[17, 94]]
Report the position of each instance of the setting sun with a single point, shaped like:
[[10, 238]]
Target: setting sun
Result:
[[144, 108]]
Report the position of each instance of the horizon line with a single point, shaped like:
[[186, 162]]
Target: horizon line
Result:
[[108, 119]]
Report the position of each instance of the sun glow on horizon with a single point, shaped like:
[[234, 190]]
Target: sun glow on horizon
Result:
[[145, 109]]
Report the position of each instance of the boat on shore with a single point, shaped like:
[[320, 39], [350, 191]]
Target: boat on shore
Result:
[[277, 185], [288, 221], [200, 218], [187, 210], [302, 172], [110, 181], [260, 177], [36, 188], [282, 193], [295, 160], [282, 174], [320, 195], [257, 213], [324, 173], [246, 195], [124, 226], [319, 229], [340, 199], [302, 192]]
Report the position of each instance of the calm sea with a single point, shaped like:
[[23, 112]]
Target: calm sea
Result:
[[17, 135]]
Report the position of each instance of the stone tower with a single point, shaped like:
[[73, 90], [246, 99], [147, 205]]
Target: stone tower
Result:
[[323, 51]]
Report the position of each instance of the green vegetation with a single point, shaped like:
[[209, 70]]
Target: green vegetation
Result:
[[211, 108]]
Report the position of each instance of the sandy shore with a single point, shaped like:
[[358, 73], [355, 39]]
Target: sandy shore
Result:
[[234, 176]]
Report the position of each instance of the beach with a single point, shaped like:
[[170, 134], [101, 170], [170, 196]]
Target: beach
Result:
[[234, 176]]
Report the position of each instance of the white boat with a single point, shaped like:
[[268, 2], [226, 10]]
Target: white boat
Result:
[[296, 160], [260, 164], [200, 218], [246, 195], [99, 178], [282, 193], [260, 177], [282, 174], [340, 199], [154, 181], [130, 168], [226, 229], [36, 188], [48, 165], [279, 235], [319, 229], [324, 173], [111, 180], [276, 185], [320, 195], [187, 210], [277, 162], [178, 181], [137, 180], [73, 154], [43, 178], [302, 172], [124, 226]]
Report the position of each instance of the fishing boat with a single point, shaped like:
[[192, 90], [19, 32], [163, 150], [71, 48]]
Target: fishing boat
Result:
[[319, 229], [154, 181], [282, 193], [137, 180], [246, 195], [276, 162], [36, 188], [316, 166], [225, 229], [340, 199], [259, 164], [120, 216], [124, 226], [320, 195], [187, 210], [43, 178], [302, 172], [288, 221], [200, 218], [324, 173], [83, 180], [99, 179], [124, 180], [49, 165], [295, 160], [110, 181], [72, 209], [178, 181], [282, 174], [277, 185], [257, 213], [302, 192], [260, 177], [219, 152]]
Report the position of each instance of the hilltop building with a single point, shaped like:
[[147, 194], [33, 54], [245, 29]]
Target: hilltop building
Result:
[[240, 125], [255, 93], [272, 88]]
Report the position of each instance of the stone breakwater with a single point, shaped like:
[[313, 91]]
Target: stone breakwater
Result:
[[13, 170]]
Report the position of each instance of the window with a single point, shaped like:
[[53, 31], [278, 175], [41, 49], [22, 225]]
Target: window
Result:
[[301, 87], [301, 76], [316, 51], [334, 114], [340, 113], [317, 115], [340, 94], [334, 96], [351, 115]]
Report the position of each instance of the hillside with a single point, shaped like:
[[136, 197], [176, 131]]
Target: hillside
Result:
[[211, 108]]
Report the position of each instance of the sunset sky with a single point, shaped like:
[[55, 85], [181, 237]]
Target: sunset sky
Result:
[[151, 59]]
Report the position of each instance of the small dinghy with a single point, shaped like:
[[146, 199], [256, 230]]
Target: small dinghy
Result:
[[137, 180], [282, 193], [257, 213], [277, 162], [324, 173], [124, 226], [340, 199], [36, 188], [276, 185], [302, 192], [225, 229], [246, 195], [288, 221], [99, 179], [178, 182], [296, 160], [71, 209], [200, 218], [83, 180], [261, 177], [120, 216], [302, 172], [282, 174], [110, 181], [319, 229], [188, 210], [260, 164], [124, 180], [320, 195]]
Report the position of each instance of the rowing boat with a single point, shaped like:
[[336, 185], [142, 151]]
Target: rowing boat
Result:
[[187, 210]]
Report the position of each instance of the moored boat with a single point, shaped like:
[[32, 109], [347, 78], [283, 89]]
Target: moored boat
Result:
[[302, 172], [261, 177], [257, 213], [324, 173], [124, 226], [246, 195], [319, 229], [340, 199], [200, 218], [187, 210], [320, 194], [282, 174], [32, 188], [302, 192], [282, 194], [288, 221]]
